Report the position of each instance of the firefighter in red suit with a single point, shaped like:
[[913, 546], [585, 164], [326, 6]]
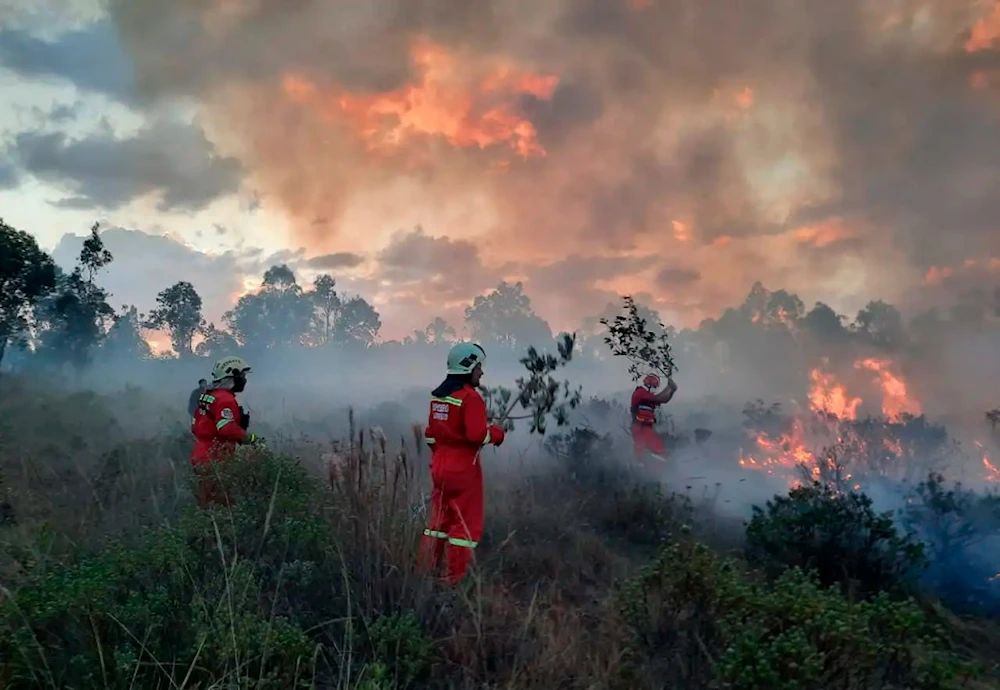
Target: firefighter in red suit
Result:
[[644, 404], [457, 430], [219, 425]]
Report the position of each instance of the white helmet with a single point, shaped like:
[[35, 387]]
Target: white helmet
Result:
[[464, 357], [227, 367]]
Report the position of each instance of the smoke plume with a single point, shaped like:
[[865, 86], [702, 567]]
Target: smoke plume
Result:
[[851, 148]]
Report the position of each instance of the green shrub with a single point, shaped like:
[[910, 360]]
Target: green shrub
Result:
[[226, 594], [837, 535], [400, 648], [697, 620], [142, 614]]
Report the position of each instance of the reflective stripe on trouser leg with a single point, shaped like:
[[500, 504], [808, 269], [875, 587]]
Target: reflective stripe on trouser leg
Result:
[[465, 525], [434, 541]]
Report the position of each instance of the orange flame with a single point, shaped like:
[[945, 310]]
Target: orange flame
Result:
[[992, 473], [781, 454], [895, 400], [984, 32], [830, 397], [440, 104]]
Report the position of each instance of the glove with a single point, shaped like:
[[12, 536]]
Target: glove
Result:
[[255, 440], [497, 435], [244, 419]]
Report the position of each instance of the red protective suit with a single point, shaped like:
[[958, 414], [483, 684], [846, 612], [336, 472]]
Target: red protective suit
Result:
[[457, 429], [644, 436], [217, 431]]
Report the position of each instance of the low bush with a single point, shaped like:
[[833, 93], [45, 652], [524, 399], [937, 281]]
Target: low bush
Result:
[[961, 531], [697, 620], [839, 536]]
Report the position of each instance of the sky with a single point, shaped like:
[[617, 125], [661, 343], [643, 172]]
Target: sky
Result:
[[423, 150]]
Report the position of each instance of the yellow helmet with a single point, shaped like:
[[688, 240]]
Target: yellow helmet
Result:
[[228, 366]]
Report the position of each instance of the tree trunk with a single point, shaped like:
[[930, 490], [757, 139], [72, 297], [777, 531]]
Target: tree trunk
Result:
[[4, 338]]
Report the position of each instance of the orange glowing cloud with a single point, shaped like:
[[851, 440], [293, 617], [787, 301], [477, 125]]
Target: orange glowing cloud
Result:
[[744, 98], [985, 32], [443, 102], [936, 275], [821, 235]]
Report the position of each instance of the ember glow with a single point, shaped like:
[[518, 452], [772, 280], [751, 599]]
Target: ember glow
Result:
[[992, 473]]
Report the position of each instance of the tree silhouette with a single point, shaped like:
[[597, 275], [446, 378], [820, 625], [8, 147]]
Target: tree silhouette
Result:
[[124, 339], [881, 324], [26, 274], [767, 308], [505, 317], [74, 319], [824, 323], [277, 315], [326, 306], [216, 343], [438, 332], [357, 324], [179, 311], [94, 255]]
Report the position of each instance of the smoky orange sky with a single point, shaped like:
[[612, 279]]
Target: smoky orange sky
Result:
[[845, 150]]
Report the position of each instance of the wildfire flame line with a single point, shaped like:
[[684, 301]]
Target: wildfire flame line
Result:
[[788, 454]]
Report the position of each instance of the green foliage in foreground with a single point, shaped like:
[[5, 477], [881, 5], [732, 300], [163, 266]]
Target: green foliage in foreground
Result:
[[236, 597], [300, 585], [839, 536], [694, 616]]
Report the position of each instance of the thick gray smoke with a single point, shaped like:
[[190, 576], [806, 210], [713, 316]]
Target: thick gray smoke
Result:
[[850, 148]]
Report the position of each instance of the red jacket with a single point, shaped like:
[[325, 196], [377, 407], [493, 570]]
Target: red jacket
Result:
[[457, 429], [644, 405], [216, 426]]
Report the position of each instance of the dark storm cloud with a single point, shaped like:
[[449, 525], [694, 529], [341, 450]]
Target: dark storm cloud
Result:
[[92, 58], [677, 277], [173, 160], [334, 261], [450, 267], [10, 177]]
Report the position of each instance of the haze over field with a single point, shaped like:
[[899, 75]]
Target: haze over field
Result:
[[421, 153]]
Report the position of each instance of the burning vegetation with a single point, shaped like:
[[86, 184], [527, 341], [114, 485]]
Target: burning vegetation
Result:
[[828, 440]]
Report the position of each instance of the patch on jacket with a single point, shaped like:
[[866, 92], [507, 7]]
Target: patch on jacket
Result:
[[227, 413], [440, 411]]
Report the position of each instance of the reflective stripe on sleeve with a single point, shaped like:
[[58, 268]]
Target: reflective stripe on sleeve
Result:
[[221, 423], [463, 542], [435, 534]]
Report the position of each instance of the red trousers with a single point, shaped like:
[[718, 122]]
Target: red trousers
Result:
[[455, 524], [646, 440]]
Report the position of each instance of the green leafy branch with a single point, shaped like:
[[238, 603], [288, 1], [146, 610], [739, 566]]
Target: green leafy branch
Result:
[[538, 393], [645, 349]]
